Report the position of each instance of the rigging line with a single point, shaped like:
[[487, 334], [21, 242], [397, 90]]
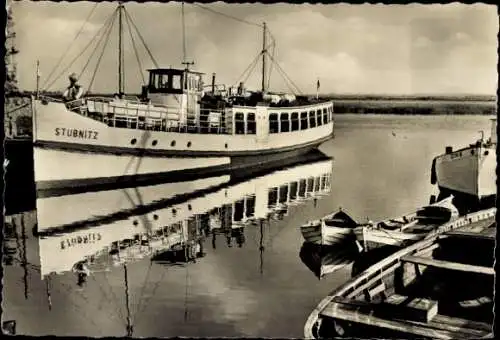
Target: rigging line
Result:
[[71, 44], [140, 36], [157, 284], [143, 288], [252, 65], [286, 78], [110, 17], [101, 38], [287, 83], [76, 308], [285, 75], [106, 296], [102, 53], [271, 66], [135, 50], [250, 72], [228, 16]]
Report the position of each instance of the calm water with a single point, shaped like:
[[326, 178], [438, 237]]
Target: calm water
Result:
[[251, 281]]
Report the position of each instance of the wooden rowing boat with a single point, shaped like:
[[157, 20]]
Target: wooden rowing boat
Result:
[[423, 290]]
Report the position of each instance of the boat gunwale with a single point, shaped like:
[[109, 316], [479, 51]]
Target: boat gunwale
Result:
[[351, 285]]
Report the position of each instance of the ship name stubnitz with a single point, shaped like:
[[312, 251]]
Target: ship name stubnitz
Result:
[[76, 133], [86, 239]]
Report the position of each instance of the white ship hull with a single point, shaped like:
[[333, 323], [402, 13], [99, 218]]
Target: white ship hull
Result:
[[72, 149], [469, 171], [72, 230]]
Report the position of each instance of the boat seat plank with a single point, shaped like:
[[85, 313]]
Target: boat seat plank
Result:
[[370, 282], [469, 234], [345, 311], [448, 265], [375, 290]]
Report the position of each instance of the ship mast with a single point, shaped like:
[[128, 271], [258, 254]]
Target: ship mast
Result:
[[121, 60], [184, 49], [130, 328], [264, 51]]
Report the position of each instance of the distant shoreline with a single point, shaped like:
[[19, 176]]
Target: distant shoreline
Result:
[[372, 104]]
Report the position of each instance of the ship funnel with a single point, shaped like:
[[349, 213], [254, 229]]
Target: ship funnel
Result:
[[493, 131]]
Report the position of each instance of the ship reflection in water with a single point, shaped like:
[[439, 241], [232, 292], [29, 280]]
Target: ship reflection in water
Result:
[[88, 240]]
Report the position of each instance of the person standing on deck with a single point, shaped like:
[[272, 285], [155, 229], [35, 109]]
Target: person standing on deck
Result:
[[74, 90]]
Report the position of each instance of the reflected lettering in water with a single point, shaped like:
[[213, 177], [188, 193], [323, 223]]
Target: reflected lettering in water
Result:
[[92, 237]]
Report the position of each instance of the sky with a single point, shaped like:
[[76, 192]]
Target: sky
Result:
[[351, 49]]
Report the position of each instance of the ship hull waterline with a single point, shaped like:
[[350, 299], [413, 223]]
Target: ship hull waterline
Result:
[[72, 150]]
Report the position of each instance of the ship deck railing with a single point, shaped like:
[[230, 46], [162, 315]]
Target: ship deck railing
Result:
[[125, 113]]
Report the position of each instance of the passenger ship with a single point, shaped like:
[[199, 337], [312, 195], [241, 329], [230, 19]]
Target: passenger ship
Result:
[[470, 170], [154, 226], [175, 127]]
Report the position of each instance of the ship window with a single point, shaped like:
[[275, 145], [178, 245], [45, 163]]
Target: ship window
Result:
[[303, 120], [312, 119], [251, 123], [273, 123], [293, 190], [325, 116], [295, 121], [310, 184], [283, 193], [176, 82], [302, 188], [272, 197], [250, 206], [318, 117], [317, 183], [239, 123], [239, 210], [285, 122]]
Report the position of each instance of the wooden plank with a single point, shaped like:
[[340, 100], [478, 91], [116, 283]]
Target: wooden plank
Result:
[[376, 290], [337, 311], [410, 308], [459, 322], [471, 234], [448, 265], [439, 321], [370, 282]]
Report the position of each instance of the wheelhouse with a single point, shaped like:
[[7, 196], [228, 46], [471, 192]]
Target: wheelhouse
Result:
[[174, 81]]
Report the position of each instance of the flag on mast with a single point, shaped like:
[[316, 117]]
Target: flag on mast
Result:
[[317, 88], [37, 77]]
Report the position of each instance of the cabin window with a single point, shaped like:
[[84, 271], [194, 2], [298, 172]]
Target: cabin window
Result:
[[176, 82], [303, 120], [250, 206], [239, 123], [325, 116], [293, 190], [302, 188], [272, 197], [318, 117], [239, 210], [283, 194], [285, 122], [312, 119], [295, 121], [326, 182], [273, 123], [310, 184], [317, 183], [251, 123]]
